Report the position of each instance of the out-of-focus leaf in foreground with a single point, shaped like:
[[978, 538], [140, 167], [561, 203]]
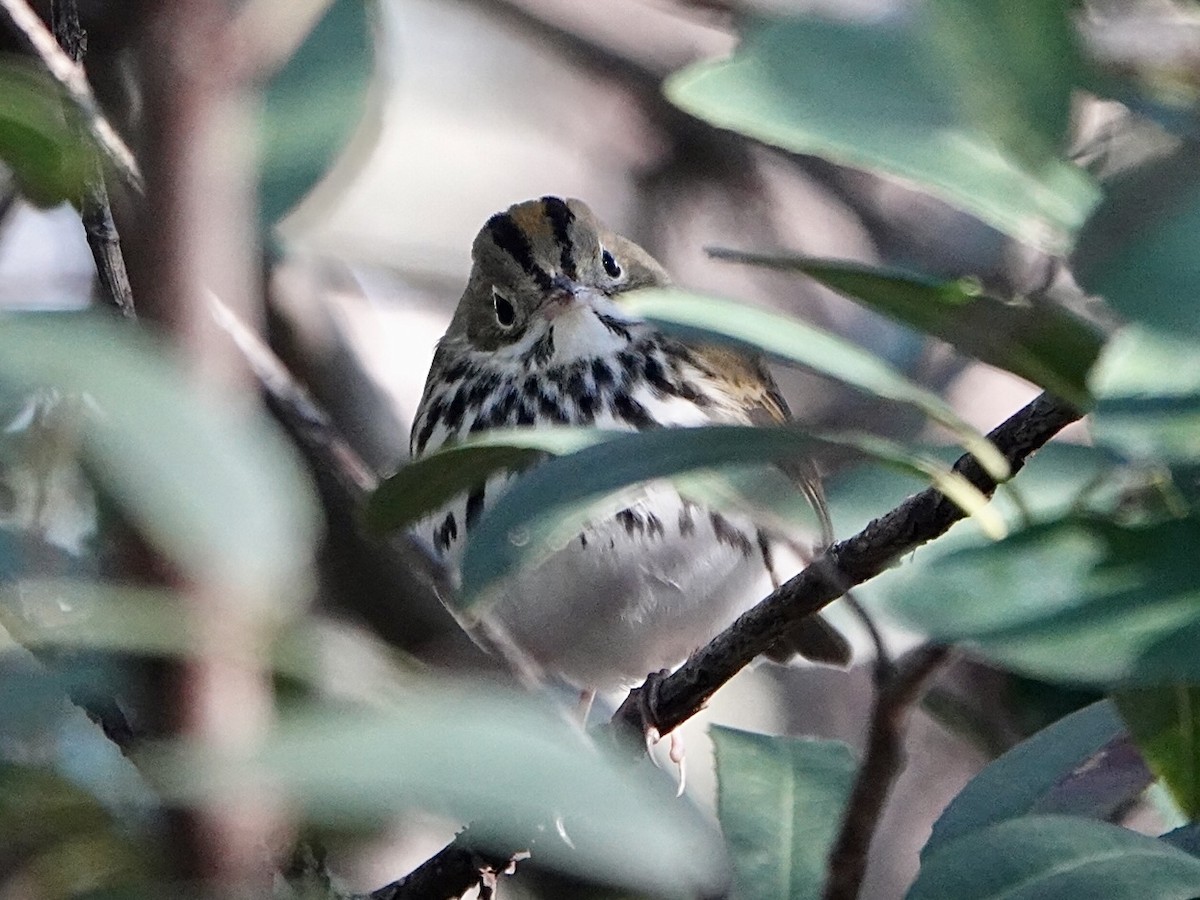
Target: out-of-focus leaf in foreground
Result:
[[780, 801], [883, 97], [313, 104], [475, 754], [213, 484], [548, 506]]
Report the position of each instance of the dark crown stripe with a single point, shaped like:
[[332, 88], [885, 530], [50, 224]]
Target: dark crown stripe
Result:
[[512, 240], [561, 217]]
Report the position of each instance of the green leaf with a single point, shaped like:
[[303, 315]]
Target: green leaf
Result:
[[1138, 248], [1015, 65], [37, 140], [879, 97], [473, 753], [59, 841], [427, 484], [1057, 857], [312, 105], [780, 801], [547, 507], [1165, 722], [1039, 341], [212, 485], [1017, 782], [797, 342], [1148, 390], [1076, 600]]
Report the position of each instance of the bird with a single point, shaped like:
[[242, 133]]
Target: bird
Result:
[[540, 337]]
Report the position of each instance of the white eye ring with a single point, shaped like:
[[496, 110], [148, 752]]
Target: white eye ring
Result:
[[506, 313]]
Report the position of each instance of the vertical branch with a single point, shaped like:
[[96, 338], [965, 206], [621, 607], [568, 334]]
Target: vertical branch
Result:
[[881, 765], [95, 210], [199, 239]]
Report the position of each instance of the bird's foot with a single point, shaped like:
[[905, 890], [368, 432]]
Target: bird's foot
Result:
[[648, 701]]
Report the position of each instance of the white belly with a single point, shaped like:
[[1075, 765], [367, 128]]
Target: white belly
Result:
[[613, 605]]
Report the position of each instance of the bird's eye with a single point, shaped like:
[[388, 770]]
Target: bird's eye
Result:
[[610, 265], [505, 314]]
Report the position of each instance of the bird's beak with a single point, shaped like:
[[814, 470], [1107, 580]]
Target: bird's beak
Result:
[[564, 295]]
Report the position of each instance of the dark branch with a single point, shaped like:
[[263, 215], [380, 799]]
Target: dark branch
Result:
[[94, 208], [881, 765], [459, 867], [919, 519]]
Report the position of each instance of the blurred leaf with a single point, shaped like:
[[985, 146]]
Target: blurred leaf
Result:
[[1138, 249], [474, 753], [797, 342], [1148, 396], [313, 104], [216, 488], [1078, 600], [879, 97], [547, 507], [1017, 782], [780, 801], [429, 483], [59, 842], [1014, 64], [37, 140], [1056, 478], [1165, 721], [74, 613], [1057, 857], [1039, 341]]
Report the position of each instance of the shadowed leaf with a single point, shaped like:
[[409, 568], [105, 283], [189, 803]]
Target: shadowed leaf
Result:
[[1165, 721], [1039, 341], [1057, 857], [1077, 600], [779, 801]]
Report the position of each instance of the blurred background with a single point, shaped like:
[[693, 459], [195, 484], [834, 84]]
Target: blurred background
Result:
[[388, 140]]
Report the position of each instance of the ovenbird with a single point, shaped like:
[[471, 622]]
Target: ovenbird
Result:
[[539, 338]]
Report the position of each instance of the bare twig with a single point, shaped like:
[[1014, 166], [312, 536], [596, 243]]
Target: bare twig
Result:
[[69, 74], [919, 519], [95, 211], [882, 763]]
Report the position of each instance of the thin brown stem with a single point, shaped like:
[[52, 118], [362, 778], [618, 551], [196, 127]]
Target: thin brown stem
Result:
[[881, 765], [95, 210]]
